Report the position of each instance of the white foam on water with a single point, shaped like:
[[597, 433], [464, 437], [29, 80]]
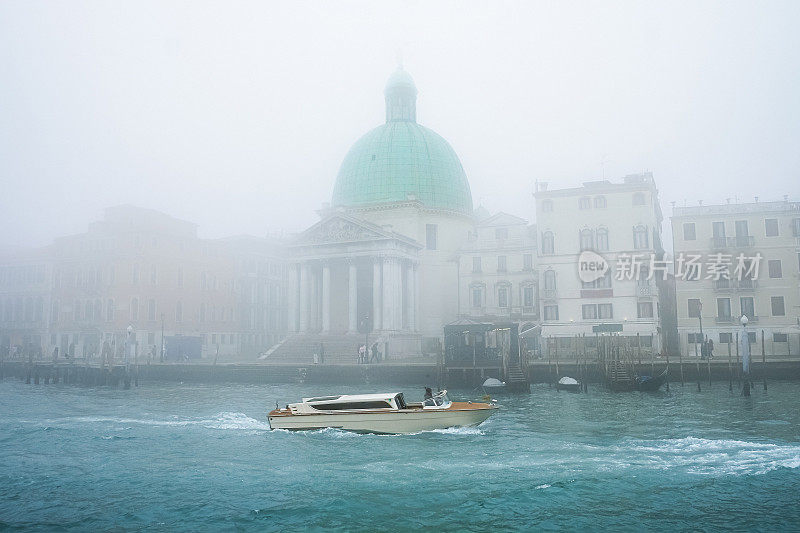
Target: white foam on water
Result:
[[545, 486], [222, 421]]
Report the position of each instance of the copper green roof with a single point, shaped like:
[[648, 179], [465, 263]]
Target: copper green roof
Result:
[[402, 160]]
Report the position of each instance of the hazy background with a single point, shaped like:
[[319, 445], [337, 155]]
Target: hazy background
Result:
[[237, 116]]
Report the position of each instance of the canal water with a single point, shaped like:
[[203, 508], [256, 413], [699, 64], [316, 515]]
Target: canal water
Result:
[[202, 458]]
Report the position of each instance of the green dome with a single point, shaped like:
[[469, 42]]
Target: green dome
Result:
[[401, 160]]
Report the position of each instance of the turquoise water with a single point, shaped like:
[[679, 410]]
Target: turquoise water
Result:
[[202, 458]]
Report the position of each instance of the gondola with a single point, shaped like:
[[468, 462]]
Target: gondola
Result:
[[651, 383]]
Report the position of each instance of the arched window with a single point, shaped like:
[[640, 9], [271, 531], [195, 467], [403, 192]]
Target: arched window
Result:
[[548, 243], [547, 206], [476, 294], [87, 310], [98, 310], [640, 240], [110, 310], [602, 239], [638, 198], [584, 203], [550, 280], [587, 240], [503, 295], [54, 313], [599, 201]]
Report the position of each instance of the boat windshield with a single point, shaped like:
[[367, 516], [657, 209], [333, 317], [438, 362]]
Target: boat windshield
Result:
[[439, 400]]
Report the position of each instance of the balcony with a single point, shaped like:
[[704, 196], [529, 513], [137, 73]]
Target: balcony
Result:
[[723, 285], [549, 294], [597, 293], [741, 241], [747, 284], [719, 242], [645, 290], [724, 320]]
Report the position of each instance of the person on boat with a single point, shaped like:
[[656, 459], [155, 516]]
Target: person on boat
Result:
[[428, 393]]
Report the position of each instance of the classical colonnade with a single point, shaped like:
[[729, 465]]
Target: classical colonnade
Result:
[[393, 284]]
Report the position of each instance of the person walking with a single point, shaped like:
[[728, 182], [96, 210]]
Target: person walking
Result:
[[710, 349], [375, 354]]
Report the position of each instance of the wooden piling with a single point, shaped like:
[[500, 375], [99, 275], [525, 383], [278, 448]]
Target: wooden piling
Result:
[[680, 363], [730, 368], [708, 360], [764, 358]]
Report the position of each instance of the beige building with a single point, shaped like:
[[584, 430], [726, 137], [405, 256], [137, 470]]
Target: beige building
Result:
[[733, 260], [620, 223], [498, 280]]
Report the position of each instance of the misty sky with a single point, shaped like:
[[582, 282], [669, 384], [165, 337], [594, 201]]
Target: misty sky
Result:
[[237, 115]]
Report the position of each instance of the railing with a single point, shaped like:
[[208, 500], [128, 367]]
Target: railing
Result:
[[719, 242], [741, 241], [723, 285], [747, 284], [723, 319], [644, 290]]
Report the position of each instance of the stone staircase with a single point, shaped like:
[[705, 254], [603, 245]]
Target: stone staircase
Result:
[[300, 349], [619, 376], [516, 378]]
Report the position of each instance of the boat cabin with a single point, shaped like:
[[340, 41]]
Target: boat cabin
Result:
[[394, 401]]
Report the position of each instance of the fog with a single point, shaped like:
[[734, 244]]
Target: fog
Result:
[[237, 116]]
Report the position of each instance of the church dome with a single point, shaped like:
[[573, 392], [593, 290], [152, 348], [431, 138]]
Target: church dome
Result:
[[401, 160]]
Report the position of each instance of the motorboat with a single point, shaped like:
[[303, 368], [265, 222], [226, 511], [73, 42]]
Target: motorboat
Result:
[[568, 384], [380, 413]]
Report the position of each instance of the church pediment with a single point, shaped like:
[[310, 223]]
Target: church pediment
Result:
[[339, 229]]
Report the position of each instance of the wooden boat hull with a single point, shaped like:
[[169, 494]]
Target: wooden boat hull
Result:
[[653, 384], [459, 414]]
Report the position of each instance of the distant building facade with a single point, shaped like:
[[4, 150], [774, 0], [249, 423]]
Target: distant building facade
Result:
[[142, 269], [734, 260]]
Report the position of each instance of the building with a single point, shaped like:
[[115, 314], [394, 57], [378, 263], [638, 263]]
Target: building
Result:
[[620, 224], [733, 260], [146, 270], [498, 280], [384, 257]]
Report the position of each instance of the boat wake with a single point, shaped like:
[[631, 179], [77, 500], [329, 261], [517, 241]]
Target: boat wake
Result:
[[222, 421]]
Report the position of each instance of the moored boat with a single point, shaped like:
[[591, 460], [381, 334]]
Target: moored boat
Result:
[[651, 383], [379, 413], [568, 384]]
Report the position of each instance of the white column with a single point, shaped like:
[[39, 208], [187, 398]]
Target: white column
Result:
[[409, 297], [313, 321], [352, 285], [377, 293], [293, 299], [304, 297], [388, 293], [416, 293], [397, 275], [326, 298]]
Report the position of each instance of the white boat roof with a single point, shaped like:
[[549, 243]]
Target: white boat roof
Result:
[[352, 397]]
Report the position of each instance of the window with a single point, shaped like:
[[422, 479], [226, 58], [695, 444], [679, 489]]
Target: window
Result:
[[695, 338], [203, 312], [153, 275], [501, 233], [502, 297], [638, 198], [548, 243], [135, 274], [551, 312], [585, 203], [476, 264], [775, 268], [547, 206], [725, 338], [741, 228], [87, 310], [180, 277], [694, 307], [777, 306], [151, 309], [527, 296], [779, 337], [600, 201], [134, 312], [550, 280], [589, 312], [477, 297], [430, 236], [747, 306], [501, 263], [587, 240], [602, 239], [640, 240], [600, 283], [796, 227], [110, 310], [605, 311], [771, 227], [179, 311], [644, 309], [723, 307], [689, 233], [751, 337], [527, 261]]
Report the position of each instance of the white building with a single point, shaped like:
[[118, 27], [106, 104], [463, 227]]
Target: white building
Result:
[[618, 221], [757, 248]]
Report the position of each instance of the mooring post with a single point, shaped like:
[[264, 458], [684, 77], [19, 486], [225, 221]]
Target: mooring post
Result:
[[745, 347], [764, 358], [549, 361], [708, 359], [666, 354], [730, 370], [738, 368], [680, 363]]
